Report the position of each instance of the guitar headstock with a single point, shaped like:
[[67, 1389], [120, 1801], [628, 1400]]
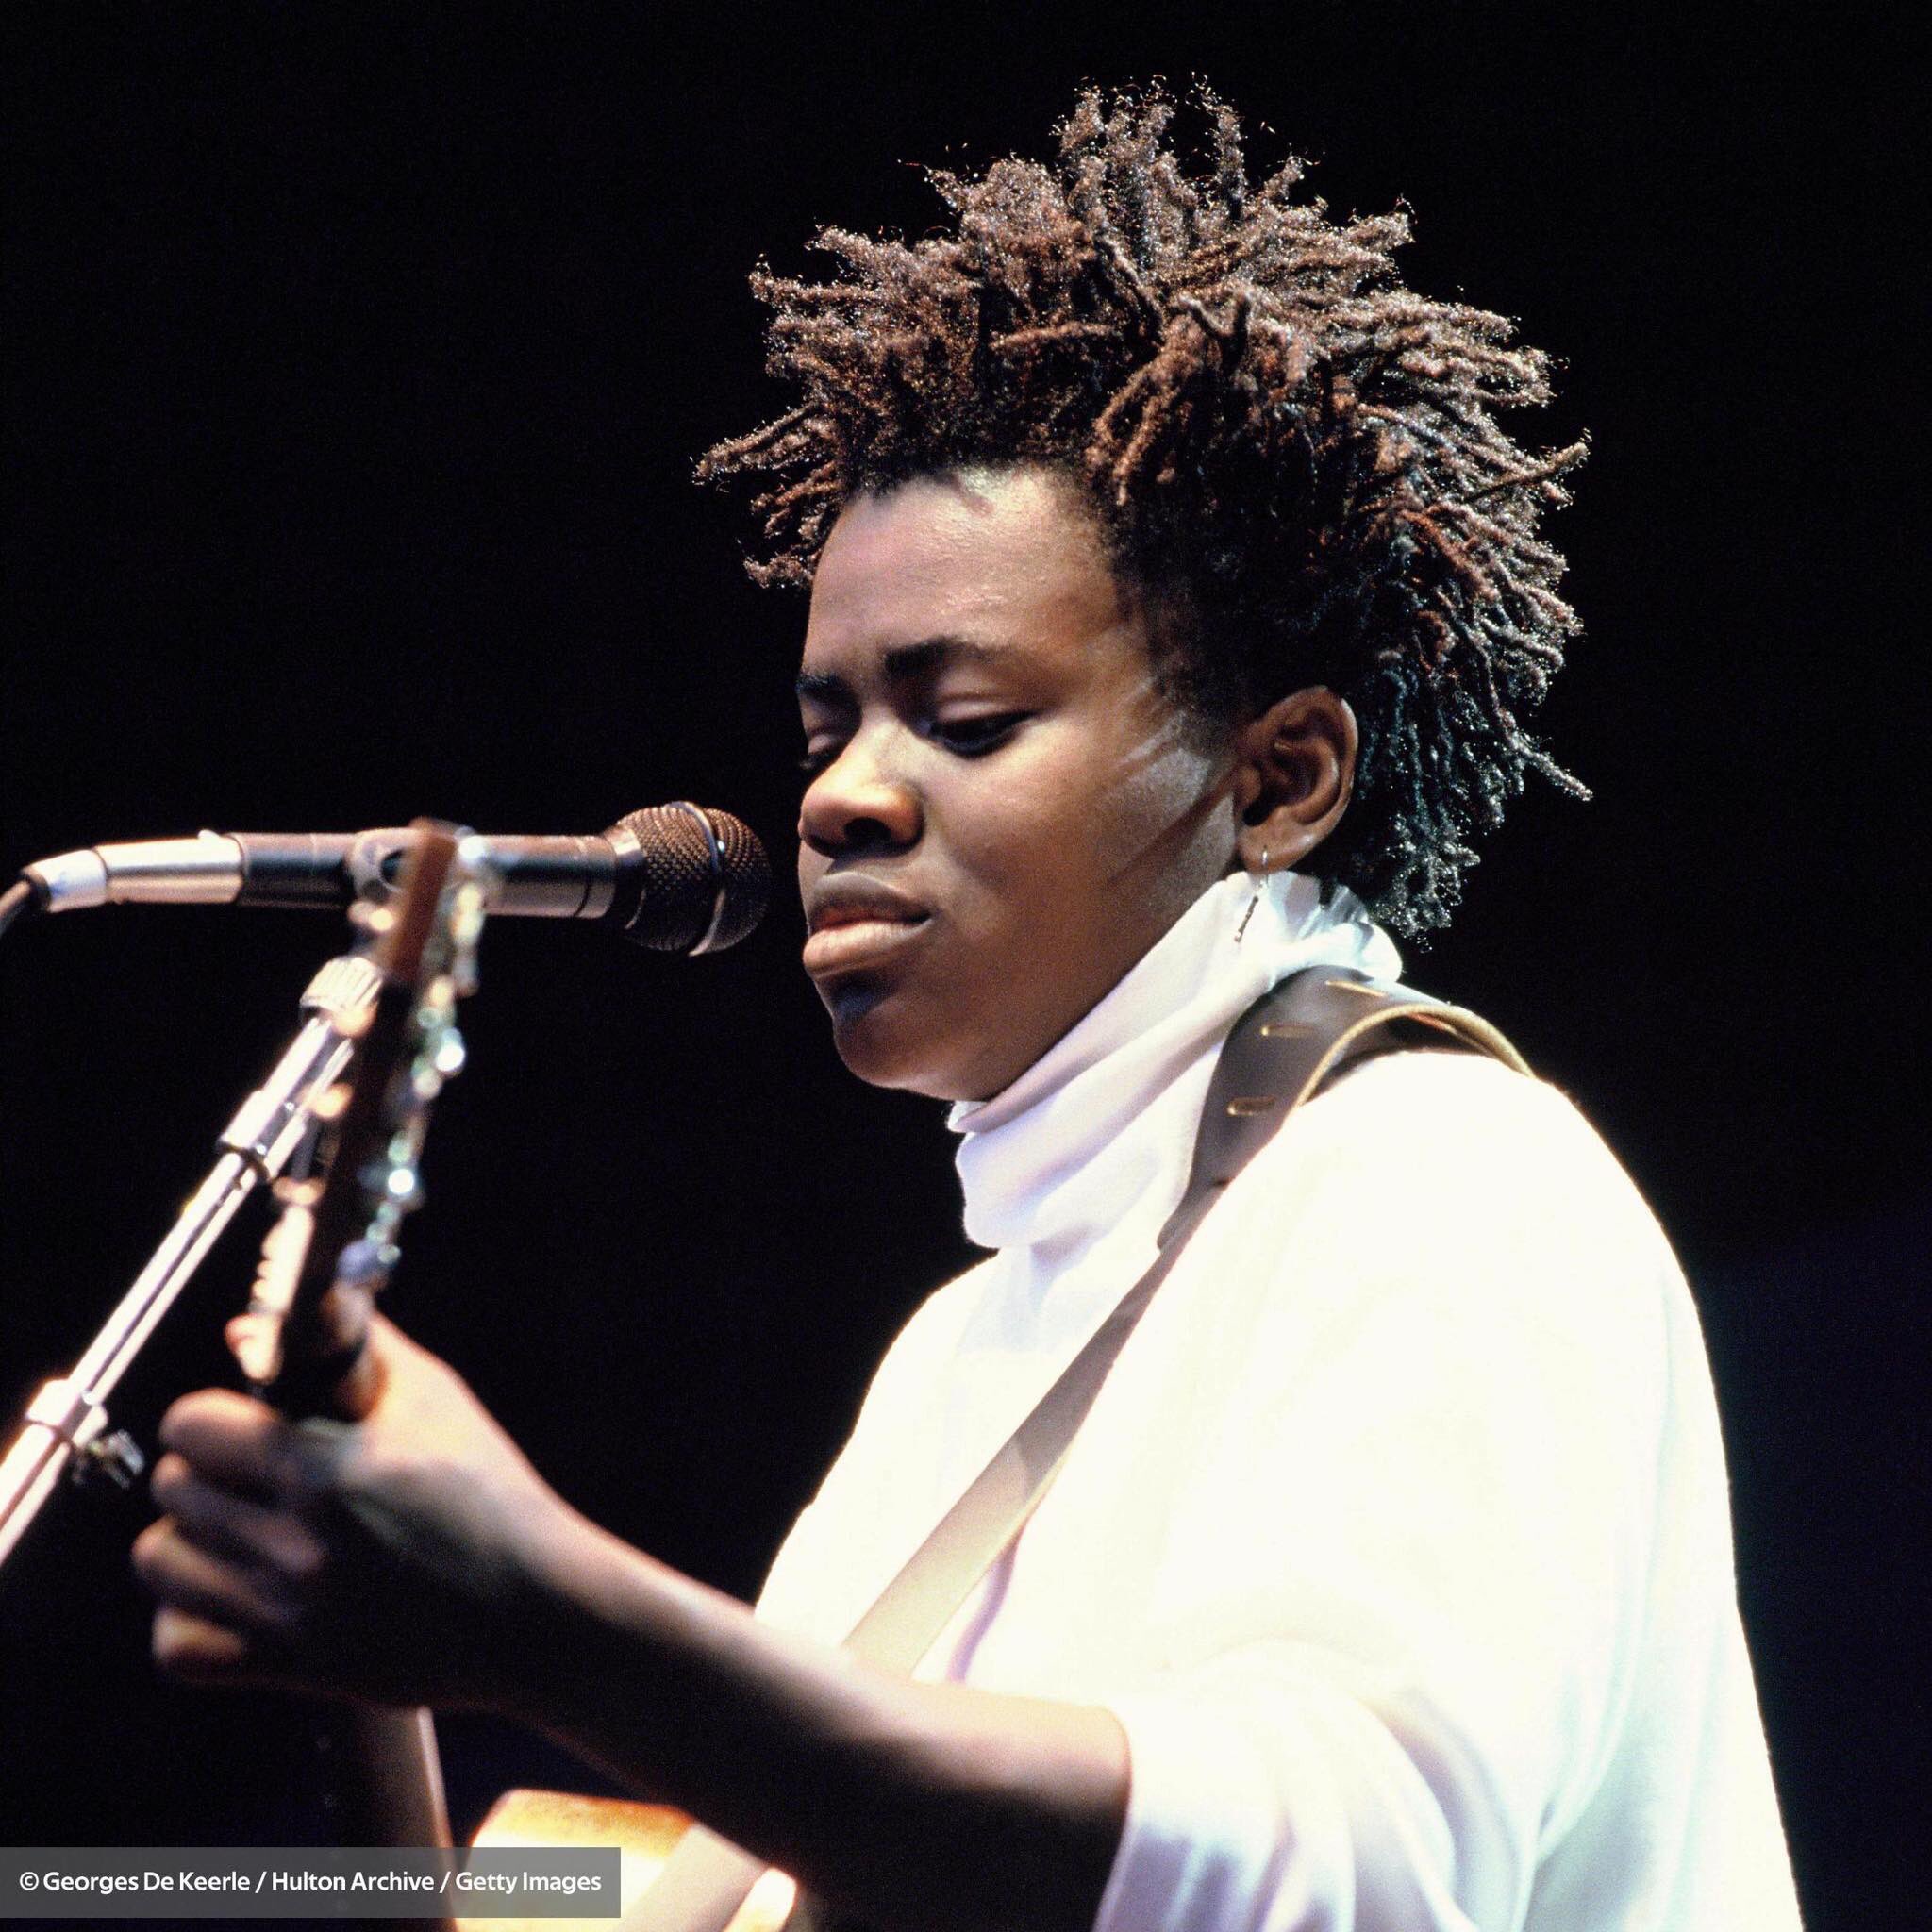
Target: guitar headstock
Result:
[[338, 1237]]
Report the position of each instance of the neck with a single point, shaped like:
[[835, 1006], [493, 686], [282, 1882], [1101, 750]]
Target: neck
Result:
[[1094, 1137]]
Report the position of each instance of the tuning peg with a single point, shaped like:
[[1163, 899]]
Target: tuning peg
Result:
[[115, 1458]]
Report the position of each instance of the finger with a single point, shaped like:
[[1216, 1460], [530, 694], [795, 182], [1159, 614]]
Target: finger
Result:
[[218, 1589], [241, 1443], [255, 1340], [393, 1355], [391, 1344], [199, 1651], [228, 1524]]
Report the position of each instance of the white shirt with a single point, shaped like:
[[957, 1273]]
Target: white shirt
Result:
[[1397, 1539]]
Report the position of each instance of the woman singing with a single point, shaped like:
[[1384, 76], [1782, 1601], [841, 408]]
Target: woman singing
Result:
[[1178, 599]]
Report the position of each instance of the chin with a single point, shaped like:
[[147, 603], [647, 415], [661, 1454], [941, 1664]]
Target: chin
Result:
[[885, 1045]]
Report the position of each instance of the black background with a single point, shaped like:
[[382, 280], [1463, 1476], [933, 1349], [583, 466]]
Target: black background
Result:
[[356, 361]]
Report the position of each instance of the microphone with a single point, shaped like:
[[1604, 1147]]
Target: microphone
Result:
[[678, 879]]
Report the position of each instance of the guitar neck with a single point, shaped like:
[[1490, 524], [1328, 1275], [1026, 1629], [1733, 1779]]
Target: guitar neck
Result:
[[384, 1776], [382, 1785]]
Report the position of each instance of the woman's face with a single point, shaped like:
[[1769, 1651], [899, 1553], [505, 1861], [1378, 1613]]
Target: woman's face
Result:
[[1005, 812]]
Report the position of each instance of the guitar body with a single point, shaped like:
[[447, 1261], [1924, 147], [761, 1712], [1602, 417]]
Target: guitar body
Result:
[[645, 1835]]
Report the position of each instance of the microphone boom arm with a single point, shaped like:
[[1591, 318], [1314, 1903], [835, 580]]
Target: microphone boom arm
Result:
[[68, 1416]]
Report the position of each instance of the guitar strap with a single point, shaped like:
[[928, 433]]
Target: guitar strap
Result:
[[1313, 1027]]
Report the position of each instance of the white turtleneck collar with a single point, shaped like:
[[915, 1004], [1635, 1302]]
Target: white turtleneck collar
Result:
[[1096, 1136]]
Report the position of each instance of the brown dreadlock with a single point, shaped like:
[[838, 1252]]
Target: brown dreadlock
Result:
[[1294, 458]]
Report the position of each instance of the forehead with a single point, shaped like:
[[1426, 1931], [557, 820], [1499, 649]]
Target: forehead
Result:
[[1009, 558]]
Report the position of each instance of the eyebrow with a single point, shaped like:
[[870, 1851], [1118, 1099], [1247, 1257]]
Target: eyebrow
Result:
[[907, 663]]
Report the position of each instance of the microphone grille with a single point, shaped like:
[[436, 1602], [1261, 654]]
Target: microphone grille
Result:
[[705, 880]]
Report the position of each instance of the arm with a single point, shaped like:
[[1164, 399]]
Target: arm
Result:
[[1374, 1509], [915, 1805], [416, 1557]]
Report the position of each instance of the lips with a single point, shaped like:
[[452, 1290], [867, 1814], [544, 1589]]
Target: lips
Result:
[[856, 921]]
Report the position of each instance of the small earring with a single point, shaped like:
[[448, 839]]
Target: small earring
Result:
[[1261, 878]]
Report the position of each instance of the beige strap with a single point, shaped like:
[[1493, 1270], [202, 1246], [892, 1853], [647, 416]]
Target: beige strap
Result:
[[1312, 1027]]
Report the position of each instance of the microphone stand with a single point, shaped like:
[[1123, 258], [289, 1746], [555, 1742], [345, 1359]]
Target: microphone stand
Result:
[[66, 1422]]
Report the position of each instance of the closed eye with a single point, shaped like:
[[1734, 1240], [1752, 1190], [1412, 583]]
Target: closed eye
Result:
[[966, 738], [971, 737]]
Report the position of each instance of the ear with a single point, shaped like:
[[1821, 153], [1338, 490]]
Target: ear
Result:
[[1293, 775]]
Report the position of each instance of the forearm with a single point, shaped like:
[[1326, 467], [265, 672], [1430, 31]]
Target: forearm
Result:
[[906, 1805]]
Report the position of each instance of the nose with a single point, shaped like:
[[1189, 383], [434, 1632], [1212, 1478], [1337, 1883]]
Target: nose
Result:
[[857, 803]]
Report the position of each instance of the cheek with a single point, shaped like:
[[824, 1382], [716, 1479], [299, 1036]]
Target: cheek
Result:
[[1068, 837], [1146, 821]]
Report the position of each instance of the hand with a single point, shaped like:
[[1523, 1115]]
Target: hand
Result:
[[400, 1559]]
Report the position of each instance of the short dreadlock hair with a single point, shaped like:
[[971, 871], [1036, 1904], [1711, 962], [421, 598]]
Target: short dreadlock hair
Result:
[[1292, 457]]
